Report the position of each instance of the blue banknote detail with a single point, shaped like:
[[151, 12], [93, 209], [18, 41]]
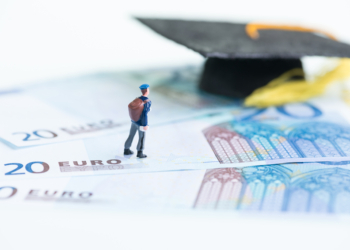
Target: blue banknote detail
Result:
[[181, 84], [314, 111], [325, 190], [276, 188], [335, 162], [321, 139], [234, 141], [264, 188], [282, 113]]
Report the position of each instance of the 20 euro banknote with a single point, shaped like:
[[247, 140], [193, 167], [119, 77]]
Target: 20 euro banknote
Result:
[[93, 105], [298, 187], [305, 132], [155, 191]]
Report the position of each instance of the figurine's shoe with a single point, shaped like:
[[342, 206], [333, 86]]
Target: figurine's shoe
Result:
[[141, 155], [128, 152]]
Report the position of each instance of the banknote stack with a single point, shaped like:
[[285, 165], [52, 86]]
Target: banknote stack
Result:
[[62, 146]]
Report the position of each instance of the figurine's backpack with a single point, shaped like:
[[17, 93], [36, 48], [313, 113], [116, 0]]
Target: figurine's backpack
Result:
[[136, 108]]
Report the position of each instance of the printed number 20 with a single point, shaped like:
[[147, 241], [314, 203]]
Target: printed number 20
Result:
[[28, 168], [282, 110], [46, 134]]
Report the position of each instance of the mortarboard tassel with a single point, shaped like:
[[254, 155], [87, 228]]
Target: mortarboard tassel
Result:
[[281, 91]]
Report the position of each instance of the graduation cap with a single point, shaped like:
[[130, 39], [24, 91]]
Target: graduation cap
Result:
[[244, 57]]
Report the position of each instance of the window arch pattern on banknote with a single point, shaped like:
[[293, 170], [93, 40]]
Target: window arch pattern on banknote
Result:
[[251, 188], [234, 142], [220, 185], [321, 140], [325, 190], [228, 146], [268, 142], [271, 188], [248, 141]]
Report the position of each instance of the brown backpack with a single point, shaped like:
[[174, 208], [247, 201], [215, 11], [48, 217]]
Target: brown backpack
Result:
[[136, 108]]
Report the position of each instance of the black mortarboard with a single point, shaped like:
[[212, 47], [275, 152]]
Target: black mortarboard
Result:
[[238, 62]]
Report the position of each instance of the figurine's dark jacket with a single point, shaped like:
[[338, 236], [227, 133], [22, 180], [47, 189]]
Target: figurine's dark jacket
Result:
[[143, 121]]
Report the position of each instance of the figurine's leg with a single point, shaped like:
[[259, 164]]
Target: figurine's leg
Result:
[[142, 138], [132, 133], [141, 144]]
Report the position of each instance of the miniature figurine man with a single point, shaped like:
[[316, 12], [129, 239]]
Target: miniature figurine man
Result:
[[138, 111]]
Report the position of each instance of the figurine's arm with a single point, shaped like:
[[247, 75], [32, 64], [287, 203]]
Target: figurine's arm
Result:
[[146, 109]]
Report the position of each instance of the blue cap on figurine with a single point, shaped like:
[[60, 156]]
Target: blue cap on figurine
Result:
[[144, 86]]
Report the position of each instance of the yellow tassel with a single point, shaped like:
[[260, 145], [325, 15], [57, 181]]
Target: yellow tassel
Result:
[[281, 91]]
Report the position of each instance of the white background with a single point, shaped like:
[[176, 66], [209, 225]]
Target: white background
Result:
[[45, 39]]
